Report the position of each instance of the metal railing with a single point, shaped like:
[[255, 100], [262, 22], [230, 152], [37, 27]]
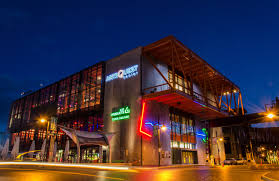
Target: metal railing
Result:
[[201, 99]]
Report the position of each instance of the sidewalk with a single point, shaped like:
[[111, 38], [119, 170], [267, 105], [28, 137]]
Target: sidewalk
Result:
[[271, 176]]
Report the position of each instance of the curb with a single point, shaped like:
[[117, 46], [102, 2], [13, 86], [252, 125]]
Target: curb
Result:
[[164, 167], [266, 178]]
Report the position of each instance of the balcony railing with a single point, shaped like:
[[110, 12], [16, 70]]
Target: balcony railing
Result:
[[195, 96]]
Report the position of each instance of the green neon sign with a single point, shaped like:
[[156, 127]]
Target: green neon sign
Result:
[[121, 114], [205, 139]]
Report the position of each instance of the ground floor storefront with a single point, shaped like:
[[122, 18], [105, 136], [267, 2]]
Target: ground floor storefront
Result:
[[89, 154], [180, 156], [178, 143]]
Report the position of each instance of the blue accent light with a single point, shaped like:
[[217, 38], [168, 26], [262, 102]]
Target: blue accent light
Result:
[[156, 124], [203, 134], [149, 124]]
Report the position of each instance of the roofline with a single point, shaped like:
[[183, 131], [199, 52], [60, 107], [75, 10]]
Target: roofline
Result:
[[171, 37]]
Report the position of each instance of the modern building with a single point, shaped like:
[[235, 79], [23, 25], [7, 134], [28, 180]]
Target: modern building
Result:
[[153, 98]]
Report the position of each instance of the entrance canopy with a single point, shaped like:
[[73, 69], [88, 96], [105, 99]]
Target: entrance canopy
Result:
[[88, 138]]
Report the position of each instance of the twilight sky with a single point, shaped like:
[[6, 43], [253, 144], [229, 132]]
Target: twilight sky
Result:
[[42, 43]]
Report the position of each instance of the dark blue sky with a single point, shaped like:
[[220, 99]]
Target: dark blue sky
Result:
[[42, 43]]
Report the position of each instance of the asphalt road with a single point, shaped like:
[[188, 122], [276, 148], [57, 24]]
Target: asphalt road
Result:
[[27, 173]]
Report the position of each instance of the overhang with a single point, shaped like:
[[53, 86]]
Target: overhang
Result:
[[182, 101], [189, 63], [217, 93]]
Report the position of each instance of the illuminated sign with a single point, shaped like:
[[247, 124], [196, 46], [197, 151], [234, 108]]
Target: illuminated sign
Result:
[[123, 74], [141, 121], [121, 114], [203, 134]]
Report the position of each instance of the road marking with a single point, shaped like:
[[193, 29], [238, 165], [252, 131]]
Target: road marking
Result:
[[84, 174], [67, 165], [64, 172]]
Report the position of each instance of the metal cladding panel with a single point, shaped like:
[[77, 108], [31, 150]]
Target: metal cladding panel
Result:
[[156, 114], [123, 88]]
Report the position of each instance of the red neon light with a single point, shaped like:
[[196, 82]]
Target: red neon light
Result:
[[141, 119]]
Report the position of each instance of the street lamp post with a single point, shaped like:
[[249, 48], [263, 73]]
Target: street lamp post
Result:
[[43, 120], [159, 147], [163, 128], [219, 140]]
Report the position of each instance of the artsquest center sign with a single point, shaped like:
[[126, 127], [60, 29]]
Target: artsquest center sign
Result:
[[121, 114], [123, 73]]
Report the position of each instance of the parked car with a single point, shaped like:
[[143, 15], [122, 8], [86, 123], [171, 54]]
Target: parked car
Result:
[[241, 161], [230, 161]]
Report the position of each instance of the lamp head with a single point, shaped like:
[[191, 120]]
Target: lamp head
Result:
[[163, 128], [42, 120]]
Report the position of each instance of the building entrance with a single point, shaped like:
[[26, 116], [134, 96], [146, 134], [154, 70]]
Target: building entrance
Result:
[[90, 154], [188, 157]]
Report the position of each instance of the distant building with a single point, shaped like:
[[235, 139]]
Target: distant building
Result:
[[153, 98], [251, 136]]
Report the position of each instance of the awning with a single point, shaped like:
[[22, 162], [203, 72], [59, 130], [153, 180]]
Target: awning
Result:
[[88, 138]]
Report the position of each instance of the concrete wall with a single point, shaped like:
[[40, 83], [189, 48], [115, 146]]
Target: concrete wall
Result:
[[215, 134], [201, 146], [154, 113], [118, 93]]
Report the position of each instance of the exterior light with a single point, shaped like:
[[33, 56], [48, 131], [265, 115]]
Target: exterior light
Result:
[[263, 155], [221, 139], [228, 93], [163, 128], [263, 148], [234, 91], [225, 93], [270, 115], [270, 151], [43, 120]]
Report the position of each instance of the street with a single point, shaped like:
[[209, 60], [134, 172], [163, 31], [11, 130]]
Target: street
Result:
[[31, 173]]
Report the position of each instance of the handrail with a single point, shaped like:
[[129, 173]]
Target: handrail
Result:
[[196, 96], [154, 86]]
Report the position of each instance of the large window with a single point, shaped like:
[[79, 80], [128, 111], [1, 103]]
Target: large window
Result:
[[17, 113], [180, 83], [63, 96], [80, 91], [27, 108], [47, 95], [91, 87], [182, 130], [74, 93], [91, 123]]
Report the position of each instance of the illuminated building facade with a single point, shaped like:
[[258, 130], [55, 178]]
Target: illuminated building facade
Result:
[[153, 99]]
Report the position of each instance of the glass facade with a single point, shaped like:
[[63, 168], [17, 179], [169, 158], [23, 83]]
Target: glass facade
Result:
[[182, 130], [180, 83], [75, 100], [80, 91], [183, 137]]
